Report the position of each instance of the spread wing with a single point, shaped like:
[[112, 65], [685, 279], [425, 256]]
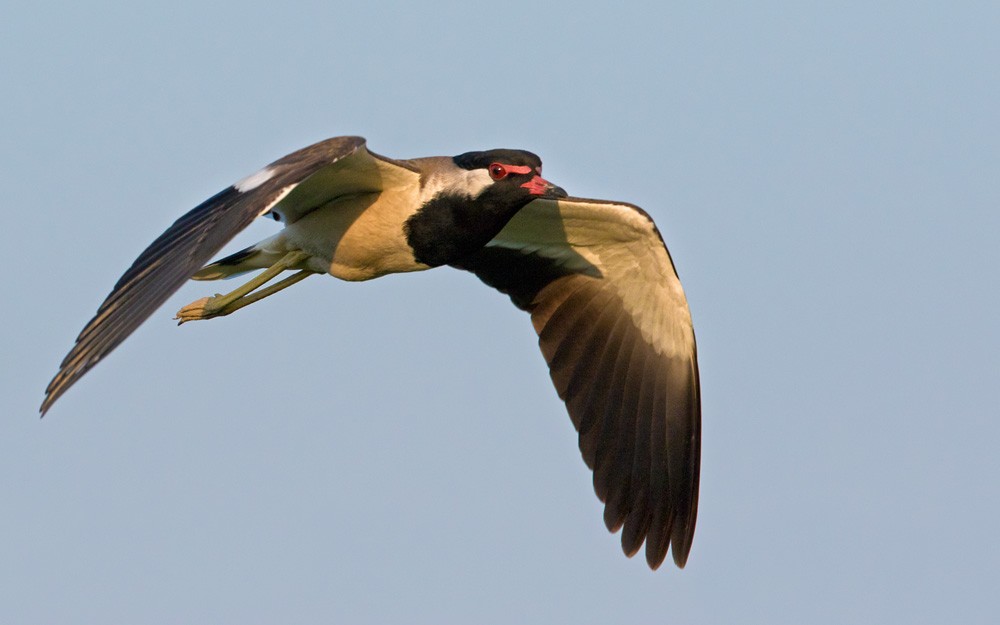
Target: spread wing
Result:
[[614, 327], [287, 188]]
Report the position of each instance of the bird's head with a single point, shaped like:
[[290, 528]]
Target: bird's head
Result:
[[468, 203], [512, 176]]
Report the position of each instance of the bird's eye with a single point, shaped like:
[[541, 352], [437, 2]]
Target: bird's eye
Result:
[[498, 171]]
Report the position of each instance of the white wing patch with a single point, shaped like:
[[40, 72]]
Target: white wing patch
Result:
[[254, 180], [281, 195]]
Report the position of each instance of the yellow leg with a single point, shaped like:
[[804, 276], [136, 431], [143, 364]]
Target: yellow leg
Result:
[[208, 307]]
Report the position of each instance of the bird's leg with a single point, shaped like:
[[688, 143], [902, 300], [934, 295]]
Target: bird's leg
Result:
[[219, 305]]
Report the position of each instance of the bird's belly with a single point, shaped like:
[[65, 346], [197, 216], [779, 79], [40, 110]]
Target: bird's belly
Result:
[[356, 238]]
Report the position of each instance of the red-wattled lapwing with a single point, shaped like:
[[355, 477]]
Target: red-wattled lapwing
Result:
[[605, 300]]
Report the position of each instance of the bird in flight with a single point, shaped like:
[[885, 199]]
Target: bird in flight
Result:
[[595, 276]]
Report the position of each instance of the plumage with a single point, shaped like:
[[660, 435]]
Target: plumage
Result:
[[614, 328], [612, 320]]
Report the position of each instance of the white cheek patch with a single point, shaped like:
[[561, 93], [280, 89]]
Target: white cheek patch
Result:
[[470, 183], [476, 181], [254, 180]]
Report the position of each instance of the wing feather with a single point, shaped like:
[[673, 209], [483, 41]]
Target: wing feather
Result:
[[614, 327], [194, 238]]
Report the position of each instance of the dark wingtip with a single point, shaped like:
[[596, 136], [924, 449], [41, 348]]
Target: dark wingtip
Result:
[[680, 559], [46, 404], [681, 546], [52, 393]]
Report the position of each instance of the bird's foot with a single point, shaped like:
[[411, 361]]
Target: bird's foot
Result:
[[220, 305], [204, 308]]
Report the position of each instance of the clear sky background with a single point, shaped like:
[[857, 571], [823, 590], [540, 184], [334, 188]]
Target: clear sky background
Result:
[[825, 174]]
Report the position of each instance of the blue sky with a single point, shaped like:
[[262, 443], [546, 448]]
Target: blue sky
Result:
[[825, 177]]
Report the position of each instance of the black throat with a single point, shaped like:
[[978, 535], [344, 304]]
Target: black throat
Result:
[[450, 227]]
